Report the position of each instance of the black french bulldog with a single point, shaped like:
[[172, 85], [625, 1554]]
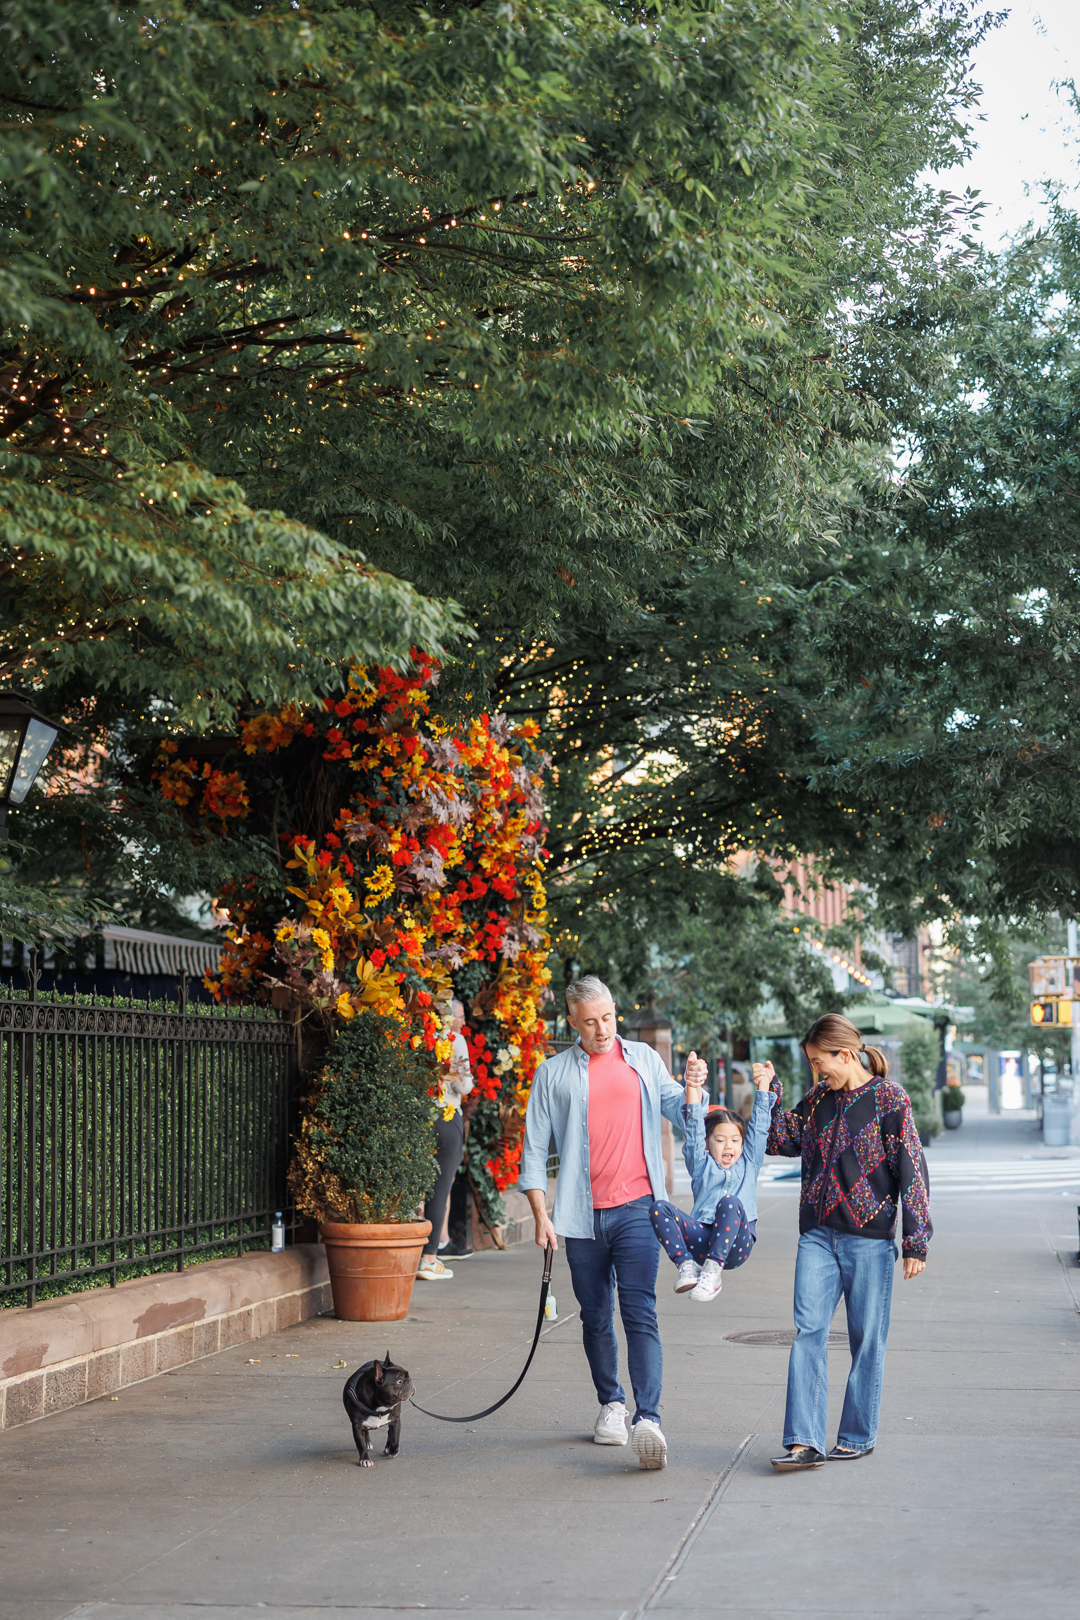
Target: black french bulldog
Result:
[[373, 1397]]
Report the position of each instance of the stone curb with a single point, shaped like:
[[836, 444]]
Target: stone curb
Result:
[[75, 1349]]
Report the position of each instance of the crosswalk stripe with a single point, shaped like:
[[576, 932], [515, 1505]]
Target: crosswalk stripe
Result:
[[996, 1185], [1000, 1175]]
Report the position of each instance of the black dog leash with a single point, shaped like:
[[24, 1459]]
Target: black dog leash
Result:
[[474, 1416]]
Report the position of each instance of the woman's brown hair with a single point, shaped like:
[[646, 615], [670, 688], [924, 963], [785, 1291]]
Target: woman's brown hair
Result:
[[835, 1034], [723, 1116]]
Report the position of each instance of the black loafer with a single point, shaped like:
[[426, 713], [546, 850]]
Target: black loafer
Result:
[[797, 1457], [838, 1454]]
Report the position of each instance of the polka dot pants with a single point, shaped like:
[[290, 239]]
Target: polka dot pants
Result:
[[728, 1238]]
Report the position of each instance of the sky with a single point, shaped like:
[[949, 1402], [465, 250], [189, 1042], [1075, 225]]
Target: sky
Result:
[[1028, 132]]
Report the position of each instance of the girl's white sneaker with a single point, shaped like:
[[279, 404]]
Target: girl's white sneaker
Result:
[[710, 1282], [610, 1429], [689, 1272]]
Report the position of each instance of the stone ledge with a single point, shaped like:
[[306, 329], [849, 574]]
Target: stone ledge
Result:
[[66, 1351]]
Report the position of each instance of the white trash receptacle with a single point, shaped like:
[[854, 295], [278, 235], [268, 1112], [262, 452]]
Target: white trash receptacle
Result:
[[1057, 1119]]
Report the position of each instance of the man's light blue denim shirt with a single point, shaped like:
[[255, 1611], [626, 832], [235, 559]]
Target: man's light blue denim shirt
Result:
[[559, 1108]]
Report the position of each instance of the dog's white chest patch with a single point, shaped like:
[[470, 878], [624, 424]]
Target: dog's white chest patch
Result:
[[378, 1421]]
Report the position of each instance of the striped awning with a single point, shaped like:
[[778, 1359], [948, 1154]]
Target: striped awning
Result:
[[135, 950], [115, 949]]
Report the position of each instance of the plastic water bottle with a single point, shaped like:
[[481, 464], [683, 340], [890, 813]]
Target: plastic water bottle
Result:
[[277, 1234]]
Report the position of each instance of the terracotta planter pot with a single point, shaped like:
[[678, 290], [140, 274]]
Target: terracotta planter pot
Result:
[[373, 1268]]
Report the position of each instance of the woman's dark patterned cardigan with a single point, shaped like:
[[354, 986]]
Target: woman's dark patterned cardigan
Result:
[[860, 1156]]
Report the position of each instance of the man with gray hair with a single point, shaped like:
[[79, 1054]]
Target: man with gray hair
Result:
[[602, 1101]]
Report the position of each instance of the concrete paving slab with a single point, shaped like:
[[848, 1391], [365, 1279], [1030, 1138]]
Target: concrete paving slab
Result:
[[229, 1488], [930, 1555], [31, 1610]]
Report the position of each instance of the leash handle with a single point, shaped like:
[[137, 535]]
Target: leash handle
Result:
[[474, 1417]]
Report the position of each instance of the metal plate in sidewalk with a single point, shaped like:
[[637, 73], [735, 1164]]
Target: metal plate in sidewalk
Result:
[[776, 1336]]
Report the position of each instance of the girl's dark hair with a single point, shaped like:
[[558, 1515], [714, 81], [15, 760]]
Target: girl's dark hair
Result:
[[835, 1034], [724, 1116]]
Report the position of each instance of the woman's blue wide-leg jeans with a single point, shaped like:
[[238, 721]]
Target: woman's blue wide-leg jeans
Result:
[[622, 1253], [830, 1265]]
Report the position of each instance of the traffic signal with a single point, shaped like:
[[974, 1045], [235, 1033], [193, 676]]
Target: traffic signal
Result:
[[1051, 1012]]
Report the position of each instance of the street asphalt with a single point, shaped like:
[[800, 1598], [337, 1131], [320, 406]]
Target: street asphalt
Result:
[[229, 1489]]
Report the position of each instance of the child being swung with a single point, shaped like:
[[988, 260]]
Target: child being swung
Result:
[[723, 1154]]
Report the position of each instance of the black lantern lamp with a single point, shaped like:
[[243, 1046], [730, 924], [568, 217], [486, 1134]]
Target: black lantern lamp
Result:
[[25, 739]]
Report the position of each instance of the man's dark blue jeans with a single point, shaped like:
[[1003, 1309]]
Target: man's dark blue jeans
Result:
[[623, 1252]]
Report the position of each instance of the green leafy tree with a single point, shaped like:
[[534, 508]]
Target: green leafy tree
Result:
[[710, 959], [990, 975], [392, 253], [950, 625], [920, 1055], [705, 718], [178, 593], [582, 316], [453, 289]]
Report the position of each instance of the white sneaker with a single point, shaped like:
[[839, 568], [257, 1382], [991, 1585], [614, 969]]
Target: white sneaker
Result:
[[610, 1427], [710, 1282], [431, 1269], [649, 1443], [689, 1272]]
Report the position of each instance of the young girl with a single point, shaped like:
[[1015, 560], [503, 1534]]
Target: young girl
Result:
[[723, 1155]]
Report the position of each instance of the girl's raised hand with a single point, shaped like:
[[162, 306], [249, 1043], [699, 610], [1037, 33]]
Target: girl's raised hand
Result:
[[763, 1074]]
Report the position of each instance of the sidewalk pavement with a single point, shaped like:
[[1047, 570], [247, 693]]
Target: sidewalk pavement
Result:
[[228, 1489], [1013, 1134]]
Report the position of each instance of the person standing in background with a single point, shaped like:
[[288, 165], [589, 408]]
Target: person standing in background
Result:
[[455, 1246], [449, 1148]]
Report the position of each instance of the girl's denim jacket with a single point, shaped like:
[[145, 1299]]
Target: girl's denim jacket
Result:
[[709, 1180]]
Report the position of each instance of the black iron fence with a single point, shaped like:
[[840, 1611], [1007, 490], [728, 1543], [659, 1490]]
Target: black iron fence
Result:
[[131, 1136]]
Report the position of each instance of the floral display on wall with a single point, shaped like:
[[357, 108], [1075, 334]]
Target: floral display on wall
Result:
[[415, 872]]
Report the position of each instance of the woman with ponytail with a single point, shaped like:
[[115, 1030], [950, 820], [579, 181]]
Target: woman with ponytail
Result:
[[861, 1158]]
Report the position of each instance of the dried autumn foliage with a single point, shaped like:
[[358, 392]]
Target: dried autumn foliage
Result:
[[413, 856]]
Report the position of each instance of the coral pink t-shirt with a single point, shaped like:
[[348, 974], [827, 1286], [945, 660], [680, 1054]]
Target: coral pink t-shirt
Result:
[[616, 1148]]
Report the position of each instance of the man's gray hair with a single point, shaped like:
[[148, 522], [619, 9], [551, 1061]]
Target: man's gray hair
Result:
[[590, 988]]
